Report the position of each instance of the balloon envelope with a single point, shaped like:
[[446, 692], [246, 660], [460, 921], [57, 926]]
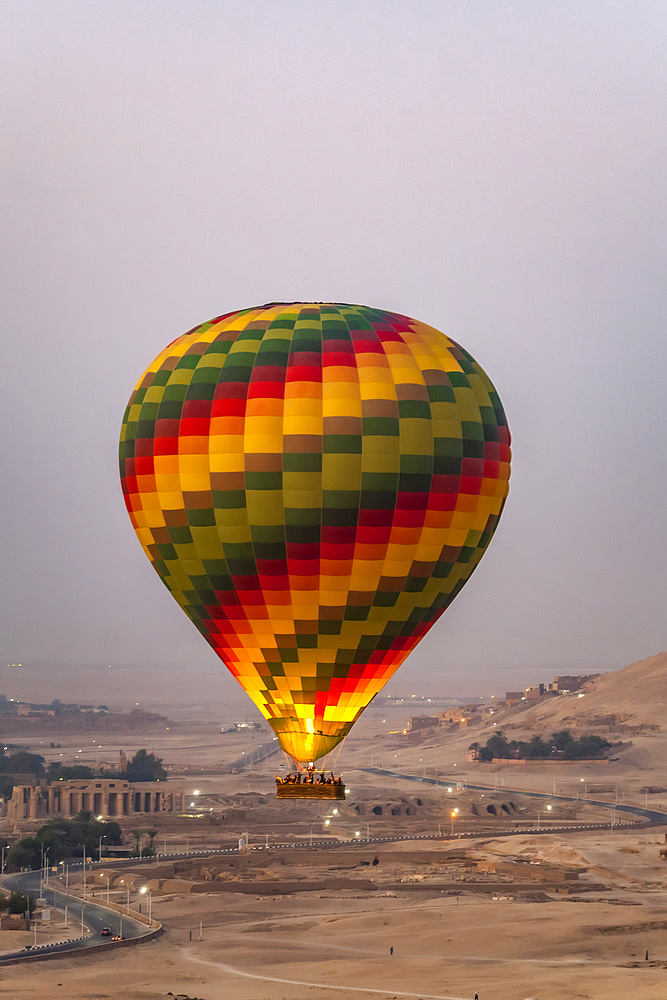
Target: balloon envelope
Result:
[[314, 483]]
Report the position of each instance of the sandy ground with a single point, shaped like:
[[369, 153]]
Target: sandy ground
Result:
[[590, 945], [312, 945], [46, 934]]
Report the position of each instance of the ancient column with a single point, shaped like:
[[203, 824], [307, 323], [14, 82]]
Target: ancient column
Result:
[[33, 812]]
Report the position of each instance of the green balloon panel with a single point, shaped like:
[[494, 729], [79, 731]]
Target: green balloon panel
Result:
[[314, 483]]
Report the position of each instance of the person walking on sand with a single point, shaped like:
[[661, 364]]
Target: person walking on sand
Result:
[[476, 995], [391, 950]]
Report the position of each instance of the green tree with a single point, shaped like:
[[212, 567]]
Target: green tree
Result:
[[23, 762], [150, 850], [59, 838], [89, 831], [56, 771], [19, 902], [63, 838], [496, 746], [138, 837], [26, 853], [562, 739], [145, 766], [585, 748], [536, 748]]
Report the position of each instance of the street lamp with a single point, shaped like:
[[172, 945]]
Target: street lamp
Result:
[[549, 808], [583, 780], [127, 888], [454, 813], [145, 889]]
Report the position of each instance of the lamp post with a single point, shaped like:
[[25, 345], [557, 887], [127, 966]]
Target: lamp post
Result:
[[539, 814], [127, 891], [454, 813], [144, 889]]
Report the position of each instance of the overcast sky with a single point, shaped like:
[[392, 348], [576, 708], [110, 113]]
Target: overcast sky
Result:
[[496, 170]]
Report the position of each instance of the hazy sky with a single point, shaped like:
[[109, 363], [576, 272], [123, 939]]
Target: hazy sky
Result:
[[495, 169]]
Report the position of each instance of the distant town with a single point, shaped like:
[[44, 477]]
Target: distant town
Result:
[[462, 715]]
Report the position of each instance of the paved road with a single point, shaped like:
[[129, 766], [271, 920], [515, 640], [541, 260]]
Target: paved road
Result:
[[260, 753], [652, 815], [95, 917]]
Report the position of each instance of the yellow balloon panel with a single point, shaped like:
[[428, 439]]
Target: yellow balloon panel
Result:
[[314, 482]]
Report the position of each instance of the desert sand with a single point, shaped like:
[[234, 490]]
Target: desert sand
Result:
[[590, 944], [586, 940]]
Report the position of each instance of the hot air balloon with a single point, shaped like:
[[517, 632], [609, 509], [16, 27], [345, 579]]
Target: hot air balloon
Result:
[[314, 483]]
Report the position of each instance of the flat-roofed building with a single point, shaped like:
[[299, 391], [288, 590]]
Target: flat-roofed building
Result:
[[513, 698]]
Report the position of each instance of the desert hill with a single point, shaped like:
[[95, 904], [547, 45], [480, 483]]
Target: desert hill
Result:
[[632, 699]]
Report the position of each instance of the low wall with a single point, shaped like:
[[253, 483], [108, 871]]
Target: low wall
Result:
[[116, 907], [83, 953], [278, 887], [154, 929], [545, 760], [9, 923]]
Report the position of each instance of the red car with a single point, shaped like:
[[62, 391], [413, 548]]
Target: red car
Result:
[[106, 932]]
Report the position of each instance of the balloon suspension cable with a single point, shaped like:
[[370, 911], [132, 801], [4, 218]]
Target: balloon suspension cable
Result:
[[326, 763], [339, 748], [293, 765]]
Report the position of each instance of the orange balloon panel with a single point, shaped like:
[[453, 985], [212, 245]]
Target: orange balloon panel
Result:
[[314, 483]]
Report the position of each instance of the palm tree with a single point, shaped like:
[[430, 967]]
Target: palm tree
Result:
[[152, 834], [138, 837]]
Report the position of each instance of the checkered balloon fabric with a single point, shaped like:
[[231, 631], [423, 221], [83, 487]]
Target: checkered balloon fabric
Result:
[[314, 483]]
